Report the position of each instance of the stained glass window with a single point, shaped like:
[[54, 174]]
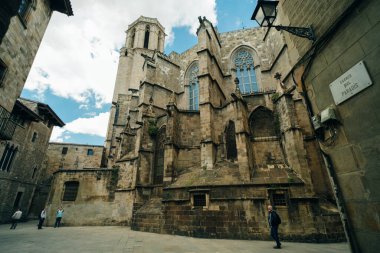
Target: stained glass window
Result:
[[194, 88], [245, 72]]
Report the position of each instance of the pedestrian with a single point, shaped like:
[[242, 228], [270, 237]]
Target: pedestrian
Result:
[[15, 218], [42, 218], [58, 217], [274, 221]]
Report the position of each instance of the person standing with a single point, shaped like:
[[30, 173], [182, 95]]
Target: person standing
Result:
[[42, 218], [274, 221], [15, 218], [58, 217]]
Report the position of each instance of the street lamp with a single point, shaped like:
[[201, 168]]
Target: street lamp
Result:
[[265, 13]]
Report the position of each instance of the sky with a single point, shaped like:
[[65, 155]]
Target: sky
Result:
[[75, 67]]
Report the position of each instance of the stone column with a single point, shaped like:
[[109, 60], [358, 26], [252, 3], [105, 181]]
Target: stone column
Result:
[[292, 137], [172, 138], [245, 159]]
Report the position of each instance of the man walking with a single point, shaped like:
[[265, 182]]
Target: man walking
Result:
[[15, 218], [274, 221], [42, 218]]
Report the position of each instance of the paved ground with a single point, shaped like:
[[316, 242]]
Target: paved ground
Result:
[[26, 238]]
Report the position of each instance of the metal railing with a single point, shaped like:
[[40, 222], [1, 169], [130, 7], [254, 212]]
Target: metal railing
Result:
[[7, 126]]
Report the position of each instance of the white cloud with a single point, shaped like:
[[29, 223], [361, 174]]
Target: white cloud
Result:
[[96, 125], [77, 58]]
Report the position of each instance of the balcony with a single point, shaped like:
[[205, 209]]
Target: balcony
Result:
[[7, 126]]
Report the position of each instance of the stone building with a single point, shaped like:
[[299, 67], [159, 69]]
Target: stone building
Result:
[[21, 159], [25, 126], [199, 143], [64, 156], [339, 75]]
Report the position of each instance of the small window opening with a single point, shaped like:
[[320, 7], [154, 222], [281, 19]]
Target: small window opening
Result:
[[34, 137], [64, 150], [34, 172], [90, 151]]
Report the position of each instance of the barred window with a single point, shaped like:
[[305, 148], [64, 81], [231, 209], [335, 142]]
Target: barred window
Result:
[[71, 191], [199, 200], [245, 72], [278, 197]]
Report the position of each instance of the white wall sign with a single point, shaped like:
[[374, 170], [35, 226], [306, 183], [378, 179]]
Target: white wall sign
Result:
[[350, 83]]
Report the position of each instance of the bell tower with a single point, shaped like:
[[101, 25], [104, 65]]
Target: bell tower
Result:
[[146, 33]]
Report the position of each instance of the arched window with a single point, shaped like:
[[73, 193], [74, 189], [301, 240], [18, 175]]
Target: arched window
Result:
[[146, 38], [193, 88], [132, 43], [159, 155], [159, 41], [71, 191], [231, 141], [262, 123], [245, 72]]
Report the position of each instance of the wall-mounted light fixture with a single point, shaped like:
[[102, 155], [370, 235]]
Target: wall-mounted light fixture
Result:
[[265, 14]]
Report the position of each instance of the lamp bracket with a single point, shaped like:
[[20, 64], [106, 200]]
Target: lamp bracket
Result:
[[305, 32]]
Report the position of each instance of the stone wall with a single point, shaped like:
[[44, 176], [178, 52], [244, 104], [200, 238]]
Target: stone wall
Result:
[[18, 49], [236, 212], [96, 203], [78, 156], [26, 169], [346, 35]]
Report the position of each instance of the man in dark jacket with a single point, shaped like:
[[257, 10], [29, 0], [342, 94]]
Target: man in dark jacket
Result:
[[274, 221]]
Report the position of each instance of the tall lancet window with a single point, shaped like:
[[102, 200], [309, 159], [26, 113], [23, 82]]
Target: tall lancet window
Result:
[[146, 38], [193, 88], [132, 41], [245, 72]]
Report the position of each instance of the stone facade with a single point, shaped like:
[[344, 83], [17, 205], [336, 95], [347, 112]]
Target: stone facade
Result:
[[194, 153], [21, 158], [64, 156], [25, 126], [346, 34], [21, 41]]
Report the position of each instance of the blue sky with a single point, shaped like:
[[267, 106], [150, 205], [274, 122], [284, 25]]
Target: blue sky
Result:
[[75, 68]]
